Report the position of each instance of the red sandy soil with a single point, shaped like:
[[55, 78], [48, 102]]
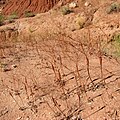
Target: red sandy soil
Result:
[[46, 73], [36, 6], [20, 6]]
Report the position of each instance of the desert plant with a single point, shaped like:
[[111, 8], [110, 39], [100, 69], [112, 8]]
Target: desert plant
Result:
[[80, 21], [113, 46], [1, 19], [65, 10], [116, 38], [116, 43], [29, 14], [114, 7], [12, 17]]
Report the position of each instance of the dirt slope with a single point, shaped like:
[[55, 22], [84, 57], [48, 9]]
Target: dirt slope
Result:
[[51, 69]]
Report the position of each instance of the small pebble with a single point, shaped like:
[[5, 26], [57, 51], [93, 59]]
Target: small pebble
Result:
[[19, 118], [87, 4], [6, 69], [72, 5], [14, 66]]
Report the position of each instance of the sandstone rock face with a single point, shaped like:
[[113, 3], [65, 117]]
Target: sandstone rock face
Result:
[[35, 6]]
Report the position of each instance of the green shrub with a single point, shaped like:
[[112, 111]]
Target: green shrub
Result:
[[29, 14], [1, 19], [114, 7], [112, 48], [65, 10], [116, 44], [80, 21], [116, 38], [12, 17]]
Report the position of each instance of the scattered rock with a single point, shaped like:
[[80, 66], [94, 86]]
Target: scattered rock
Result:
[[6, 69], [14, 66], [19, 118], [3, 111], [73, 5], [0, 10], [87, 4]]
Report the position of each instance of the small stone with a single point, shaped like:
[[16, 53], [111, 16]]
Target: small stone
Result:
[[74, 118], [87, 4], [14, 66], [73, 28], [73, 5], [19, 118], [6, 69]]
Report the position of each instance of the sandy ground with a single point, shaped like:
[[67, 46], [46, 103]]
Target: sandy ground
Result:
[[51, 70]]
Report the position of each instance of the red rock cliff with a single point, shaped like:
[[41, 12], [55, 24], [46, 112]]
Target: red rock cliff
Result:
[[20, 6]]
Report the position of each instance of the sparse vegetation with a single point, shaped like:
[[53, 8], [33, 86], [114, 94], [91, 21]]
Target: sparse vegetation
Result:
[[12, 17], [2, 18], [116, 44], [116, 37], [114, 7], [65, 10], [29, 14], [112, 48], [48, 72], [80, 21]]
